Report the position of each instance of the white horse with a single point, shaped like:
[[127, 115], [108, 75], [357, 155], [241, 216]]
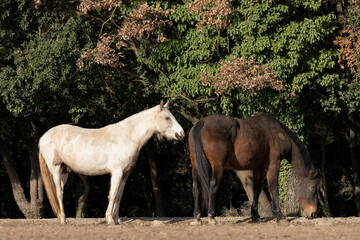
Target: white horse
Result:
[[112, 149]]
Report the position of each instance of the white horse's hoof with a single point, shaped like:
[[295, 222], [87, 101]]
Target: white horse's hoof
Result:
[[111, 222], [63, 221]]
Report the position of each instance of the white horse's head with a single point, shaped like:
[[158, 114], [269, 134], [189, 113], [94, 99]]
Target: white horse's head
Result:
[[166, 124]]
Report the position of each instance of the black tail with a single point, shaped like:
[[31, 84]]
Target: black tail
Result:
[[203, 165]]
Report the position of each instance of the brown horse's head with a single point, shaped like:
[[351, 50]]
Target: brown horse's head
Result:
[[307, 192]]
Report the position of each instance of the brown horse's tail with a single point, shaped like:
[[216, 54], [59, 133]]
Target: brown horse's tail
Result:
[[49, 185], [203, 164]]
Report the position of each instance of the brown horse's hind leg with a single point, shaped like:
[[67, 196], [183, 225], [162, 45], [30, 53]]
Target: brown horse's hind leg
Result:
[[257, 175], [214, 187], [196, 193]]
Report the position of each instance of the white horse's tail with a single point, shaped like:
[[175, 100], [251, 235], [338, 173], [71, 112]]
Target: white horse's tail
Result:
[[49, 185]]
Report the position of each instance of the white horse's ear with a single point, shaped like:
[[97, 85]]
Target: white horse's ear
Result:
[[161, 105], [167, 104]]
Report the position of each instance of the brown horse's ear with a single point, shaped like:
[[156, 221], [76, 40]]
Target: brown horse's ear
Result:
[[315, 174], [161, 105]]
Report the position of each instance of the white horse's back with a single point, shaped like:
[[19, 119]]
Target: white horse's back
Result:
[[85, 151]]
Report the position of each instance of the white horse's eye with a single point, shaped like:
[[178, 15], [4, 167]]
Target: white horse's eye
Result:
[[167, 118]]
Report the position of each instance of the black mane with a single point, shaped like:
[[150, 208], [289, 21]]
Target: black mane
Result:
[[305, 154]]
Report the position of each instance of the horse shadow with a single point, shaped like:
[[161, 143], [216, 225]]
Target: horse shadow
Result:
[[264, 220]]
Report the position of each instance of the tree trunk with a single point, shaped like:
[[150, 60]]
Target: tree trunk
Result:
[[36, 183], [160, 207], [17, 189], [340, 11], [292, 206], [354, 140], [355, 164], [246, 178], [323, 184], [83, 192], [29, 209]]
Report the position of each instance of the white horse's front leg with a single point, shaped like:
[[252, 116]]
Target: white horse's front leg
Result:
[[114, 189], [116, 208]]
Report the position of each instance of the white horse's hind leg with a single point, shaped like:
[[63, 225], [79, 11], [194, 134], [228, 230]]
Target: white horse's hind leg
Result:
[[115, 180], [119, 196], [60, 177]]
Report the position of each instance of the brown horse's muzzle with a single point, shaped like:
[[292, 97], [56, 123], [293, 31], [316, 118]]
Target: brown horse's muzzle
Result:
[[309, 211]]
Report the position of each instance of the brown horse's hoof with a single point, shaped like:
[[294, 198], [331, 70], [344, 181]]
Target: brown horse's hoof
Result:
[[283, 222], [255, 219], [212, 221], [196, 222]]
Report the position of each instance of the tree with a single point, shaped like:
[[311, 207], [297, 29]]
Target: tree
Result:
[[344, 101]]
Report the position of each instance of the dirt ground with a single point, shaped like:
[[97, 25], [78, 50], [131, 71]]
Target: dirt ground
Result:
[[181, 228]]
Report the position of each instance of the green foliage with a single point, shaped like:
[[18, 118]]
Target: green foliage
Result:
[[283, 179], [274, 33], [43, 63], [351, 97]]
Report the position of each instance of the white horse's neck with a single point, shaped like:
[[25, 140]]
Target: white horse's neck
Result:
[[140, 126]]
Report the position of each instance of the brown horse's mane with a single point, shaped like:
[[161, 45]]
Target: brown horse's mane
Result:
[[305, 154]]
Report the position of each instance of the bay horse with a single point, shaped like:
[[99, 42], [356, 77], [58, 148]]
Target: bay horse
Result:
[[112, 149], [257, 143]]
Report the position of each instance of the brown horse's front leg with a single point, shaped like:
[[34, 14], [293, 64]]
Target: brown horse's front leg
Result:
[[272, 179], [257, 179]]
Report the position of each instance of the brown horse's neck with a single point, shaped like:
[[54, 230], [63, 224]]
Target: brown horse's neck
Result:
[[301, 161]]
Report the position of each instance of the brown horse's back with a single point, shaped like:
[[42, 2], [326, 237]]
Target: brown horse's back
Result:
[[218, 137], [259, 139], [217, 134], [242, 144]]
